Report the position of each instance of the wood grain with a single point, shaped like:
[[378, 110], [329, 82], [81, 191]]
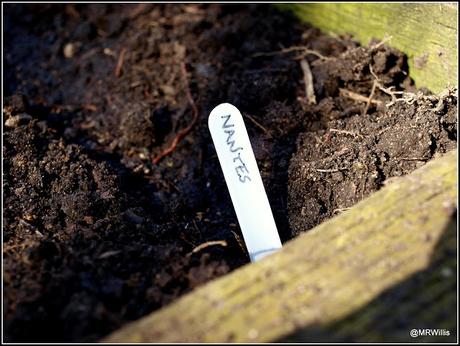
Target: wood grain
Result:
[[324, 275], [426, 32]]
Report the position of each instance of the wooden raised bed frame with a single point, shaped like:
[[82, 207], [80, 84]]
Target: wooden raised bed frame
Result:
[[426, 33], [389, 260]]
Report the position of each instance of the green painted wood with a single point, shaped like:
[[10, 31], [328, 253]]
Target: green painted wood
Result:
[[426, 32]]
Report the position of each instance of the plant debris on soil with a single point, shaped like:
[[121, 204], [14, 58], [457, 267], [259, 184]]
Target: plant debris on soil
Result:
[[97, 232]]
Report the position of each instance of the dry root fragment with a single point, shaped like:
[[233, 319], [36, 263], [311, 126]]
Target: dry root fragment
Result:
[[332, 170], [347, 133], [308, 80], [259, 125], [304, 52], [358, 97], [240, 243], [381, 43], [207, 244], [181, 134], [340, 210], [410, 98], [369, 100], [121, 59]]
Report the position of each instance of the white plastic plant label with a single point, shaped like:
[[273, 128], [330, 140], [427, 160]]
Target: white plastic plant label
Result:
[[243, 180]]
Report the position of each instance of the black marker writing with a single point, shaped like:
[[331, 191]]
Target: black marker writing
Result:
[[241, 170], [230, 133], [226, 126]]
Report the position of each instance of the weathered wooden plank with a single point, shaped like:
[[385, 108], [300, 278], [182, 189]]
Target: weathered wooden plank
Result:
[[322, 276], [425, 300], [426, 32]]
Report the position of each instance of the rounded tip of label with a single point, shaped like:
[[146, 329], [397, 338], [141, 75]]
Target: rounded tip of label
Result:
[[223, 108]]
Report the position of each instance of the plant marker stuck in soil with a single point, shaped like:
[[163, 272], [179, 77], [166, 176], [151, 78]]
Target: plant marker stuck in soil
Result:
[[243, 180]]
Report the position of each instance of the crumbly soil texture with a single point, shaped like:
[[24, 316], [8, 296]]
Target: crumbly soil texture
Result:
[[94, 233]]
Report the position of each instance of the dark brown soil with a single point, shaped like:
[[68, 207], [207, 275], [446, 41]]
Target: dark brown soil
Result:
[[95, 235]]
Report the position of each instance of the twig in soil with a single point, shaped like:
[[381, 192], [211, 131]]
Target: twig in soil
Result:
[[410, 98], [240, 242], [340, 210], [371, 70], [342, 151], [207, 244], [333, 170], [182, 236], [121, 59], [381, 43], [382, 131], [369, 100], [358, 97], [347, 133], [308, 80], [108, 254], [406, 97], [443, 95], [181, 134], [305, 51], [89, 53], [259, 125]]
